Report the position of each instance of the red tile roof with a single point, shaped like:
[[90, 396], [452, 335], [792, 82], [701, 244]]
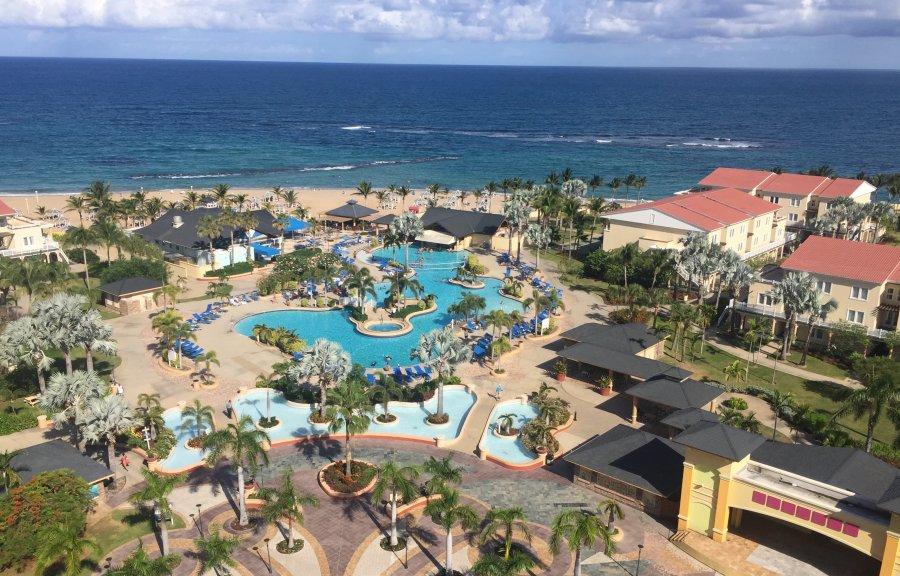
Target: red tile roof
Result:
[[795, 184], [708, 210], [841, 188], [736, 178], [5, 210], [874, 263]]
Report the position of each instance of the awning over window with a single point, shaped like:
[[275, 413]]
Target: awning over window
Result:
[[435, 237]]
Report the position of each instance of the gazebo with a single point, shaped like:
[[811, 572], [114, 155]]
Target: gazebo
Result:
[[664, 395], [352, 212]]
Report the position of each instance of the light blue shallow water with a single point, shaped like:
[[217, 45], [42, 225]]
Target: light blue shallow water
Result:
[[372, 351], [181, 456], [510, 450], [294, 418]]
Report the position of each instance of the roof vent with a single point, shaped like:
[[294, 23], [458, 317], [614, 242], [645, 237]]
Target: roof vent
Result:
[[177, 222]]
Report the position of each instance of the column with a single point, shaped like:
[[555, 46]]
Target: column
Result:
[[720, 518], [634, 410], [684, 504]]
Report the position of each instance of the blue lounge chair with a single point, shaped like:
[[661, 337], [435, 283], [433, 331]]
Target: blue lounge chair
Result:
[[371, 378], [410, 373], [477, 352], [297, 356], [398, 373]]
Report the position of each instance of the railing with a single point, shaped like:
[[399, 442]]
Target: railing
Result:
[[788, 237], [48, 246], [772, 313]]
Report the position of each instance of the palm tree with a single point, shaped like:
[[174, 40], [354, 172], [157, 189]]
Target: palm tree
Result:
[[499, 347], [779, 401], [442, 474], [139, 563], [361, 280], [539, 237], [442, 350], [25, 341], [105, 419], [328, 362], [64, 541], [244, 445], [406, 227], [81, 237], [384, 392], [8, 473], [208, 358], [734, 370], [220, 193], [795, 292], [350, 410], [505, 423], [498, 319], [107, 233], [579, 529], [872, 400], [401, 284], [285, 502], [68, 395], [98, 197], [447, 512], [399, 483], [364, 189], [468, 305], [613, 512], [505, 522], [210, 227], [156, 492], [215, 552], [61, 314], [169, 292], [197, 417], [94, 335], [403, 192], [819, 311], [494, 565]]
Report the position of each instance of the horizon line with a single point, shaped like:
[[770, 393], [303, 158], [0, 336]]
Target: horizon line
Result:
[[443, 65]]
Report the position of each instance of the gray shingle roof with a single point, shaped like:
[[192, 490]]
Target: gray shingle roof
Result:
[[163, 228], [721, 440], [627, 338], [130, 286], [55, 455], [461, 223], [675, 394], [635, 457], [623, 363], [687, 417], [352, 209], [847, 468]]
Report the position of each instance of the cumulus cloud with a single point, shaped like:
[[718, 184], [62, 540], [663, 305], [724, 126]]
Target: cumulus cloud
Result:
[[480, 20]]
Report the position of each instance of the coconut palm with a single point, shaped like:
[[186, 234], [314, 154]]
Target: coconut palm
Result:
[[499, 347], [94, 335], [61, 314], [215, 552], [197, 417], [155, 492], [579, 529], [286, 503], [498, 319], [795, 292], [328, 362], [80, 237], [107, 233], [779, 402], [468, 305], [98, 197], [442, 474], [494, 565], [139, 563], [735, 370], [104, 420], [398, 482], [442, 350], [208, 358], [406, 227], [384, 392], [25, 341], [505, 423], [221, 193], [613, 512], [505, 522], [361, 280], [64, 541], [68, 395], [8, 473], [401, 284], [149, 410], [818, 311], [448, 512], [244, 446], [210, 227], [403, 192], [870, 401], [364, 189], [169, 293], [350, 410]]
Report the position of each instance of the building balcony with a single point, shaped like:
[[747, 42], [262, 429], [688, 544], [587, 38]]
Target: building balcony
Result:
[[762, 249], [45, 247], [771, 312]]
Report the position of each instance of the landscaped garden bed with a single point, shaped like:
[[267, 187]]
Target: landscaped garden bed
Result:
[[336, 483]]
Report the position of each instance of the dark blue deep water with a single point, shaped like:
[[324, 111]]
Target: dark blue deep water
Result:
[[165, 124]]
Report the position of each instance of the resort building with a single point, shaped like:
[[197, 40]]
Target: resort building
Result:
[[735, 220], [351, 213], [55, 455], [801, 197], [22, 237], [187, 251], [863, 278], [462, 229], [130, 295], [730, 477]]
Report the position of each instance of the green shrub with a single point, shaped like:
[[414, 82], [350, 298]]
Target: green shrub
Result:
[[231, 270], [630, 315], [736, 403], [75, 256], [358, 315], [17, 420], [304, 302], [119, 269], [267, 285], [320, 302]]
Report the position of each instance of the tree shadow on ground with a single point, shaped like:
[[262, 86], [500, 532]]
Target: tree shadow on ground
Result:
[[830, 390]]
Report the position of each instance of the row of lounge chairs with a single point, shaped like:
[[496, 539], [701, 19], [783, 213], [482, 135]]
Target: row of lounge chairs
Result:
[[405, 375], [212, 312], [482, 347], [188, 348]]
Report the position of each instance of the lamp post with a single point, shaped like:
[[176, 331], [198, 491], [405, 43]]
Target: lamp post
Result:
[[199, 520], [268, 555], [637, 569]]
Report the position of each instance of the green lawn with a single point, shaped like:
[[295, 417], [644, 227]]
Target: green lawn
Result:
[[817, 365], [822, 396], [569, 273], [124, 525]]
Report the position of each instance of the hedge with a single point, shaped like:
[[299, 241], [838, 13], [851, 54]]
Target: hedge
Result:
[[231, 270]]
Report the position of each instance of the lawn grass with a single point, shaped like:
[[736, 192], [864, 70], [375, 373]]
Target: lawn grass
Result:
[[824, 397], [570, 273], [817, 365], [124, 525]]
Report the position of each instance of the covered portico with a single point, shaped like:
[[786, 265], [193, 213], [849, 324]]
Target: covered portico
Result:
[[661, 396], [352, 212]]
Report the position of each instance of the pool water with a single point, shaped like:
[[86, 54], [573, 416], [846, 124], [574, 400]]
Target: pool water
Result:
[[371, 351], [386, 327], [180, 457], [294, 418], [512, 451]]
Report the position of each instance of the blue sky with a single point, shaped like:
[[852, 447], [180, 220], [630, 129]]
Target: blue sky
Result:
[[728, 33]]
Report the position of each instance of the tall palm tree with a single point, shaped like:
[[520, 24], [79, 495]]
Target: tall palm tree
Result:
[[94, 335], [244, 445], [149, 410], [384, 392], [108, 233], [66, 542], [197, 417], [779, 401], [538, 237], [614, 185], [221, 193], [216, 551], [210, 227], [81, 237], [350, 410], [98, 197], [442, 350], [61, 314], [818, 311], [25, 341], [406, 227], [139, 563], [505, 522], [364, 189], [8, 473], [68, 395], [401, 284], [613, 512], [442, 474], [286, 502], [105, 419], [328, 362], [448, 512], [468, 305], [579, 529], [155, 491], [403, 192], [362, 281], [871, 401], [795, 292], [398, 482]]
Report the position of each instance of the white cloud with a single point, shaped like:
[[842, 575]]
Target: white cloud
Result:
[[487, 20]]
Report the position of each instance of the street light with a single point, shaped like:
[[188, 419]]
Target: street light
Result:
[[199, 520], [268, 555], [637, 570]]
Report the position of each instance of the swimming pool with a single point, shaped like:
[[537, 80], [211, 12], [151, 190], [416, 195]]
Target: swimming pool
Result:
[[372, 351], [180, 458], [509, 450], [294, 417]]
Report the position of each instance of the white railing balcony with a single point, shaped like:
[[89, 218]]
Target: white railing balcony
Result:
[[771, 312], [47, 246], [788, 237]]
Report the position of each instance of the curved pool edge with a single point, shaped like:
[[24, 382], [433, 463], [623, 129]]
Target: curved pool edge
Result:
[[539, 461], [159, 466]]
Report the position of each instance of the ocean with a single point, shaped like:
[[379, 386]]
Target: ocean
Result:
[[176, 124]]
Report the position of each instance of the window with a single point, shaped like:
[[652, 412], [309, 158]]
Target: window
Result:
[[764, 299], [824, 287], [731, 232], [773, 199], [858, 293], [855, 316], [795, 201], [793, 217], [743, 228], [28, 241], [740, 247], [889, 293]]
